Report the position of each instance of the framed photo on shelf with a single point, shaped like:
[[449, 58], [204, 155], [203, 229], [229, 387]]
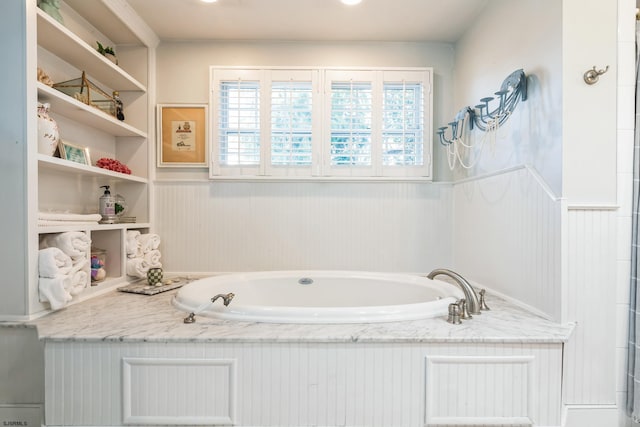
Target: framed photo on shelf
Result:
[[182, 135], [74, 153]]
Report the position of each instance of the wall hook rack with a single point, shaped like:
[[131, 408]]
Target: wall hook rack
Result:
[[485, 116]]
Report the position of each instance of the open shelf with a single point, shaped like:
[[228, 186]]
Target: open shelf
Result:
[[96, 227], [72, 108], [58, 40], [57, 164]]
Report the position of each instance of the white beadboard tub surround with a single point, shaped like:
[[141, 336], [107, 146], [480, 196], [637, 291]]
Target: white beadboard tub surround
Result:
[[130, 359], [257, 226], [507, 232]]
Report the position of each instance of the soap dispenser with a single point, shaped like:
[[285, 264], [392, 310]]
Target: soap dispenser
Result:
[[107, 206]]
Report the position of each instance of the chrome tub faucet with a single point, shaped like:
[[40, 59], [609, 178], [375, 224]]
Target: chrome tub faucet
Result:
[[470, 295]]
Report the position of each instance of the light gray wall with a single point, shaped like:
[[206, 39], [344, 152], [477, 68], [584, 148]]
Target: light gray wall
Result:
[[183, 70], [510, 35], [216, 226], [507, 225]]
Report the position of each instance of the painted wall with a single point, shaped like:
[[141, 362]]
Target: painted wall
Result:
[[216, 226], [507, 213], [508, 36]]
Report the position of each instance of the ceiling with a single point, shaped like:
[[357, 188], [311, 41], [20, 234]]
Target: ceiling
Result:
[[305, 20]]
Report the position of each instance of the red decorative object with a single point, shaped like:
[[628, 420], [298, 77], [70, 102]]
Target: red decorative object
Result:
[[113, 165]]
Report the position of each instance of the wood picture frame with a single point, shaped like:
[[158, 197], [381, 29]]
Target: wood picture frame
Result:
[[74, 153], [182, 135]]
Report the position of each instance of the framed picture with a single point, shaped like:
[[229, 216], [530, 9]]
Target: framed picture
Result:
[[182, 135], [74, 153]]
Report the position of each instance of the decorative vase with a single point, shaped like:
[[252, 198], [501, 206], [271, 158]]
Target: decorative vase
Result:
[[48, 133]]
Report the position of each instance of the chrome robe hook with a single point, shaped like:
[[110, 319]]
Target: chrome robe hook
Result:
[[592, 76]]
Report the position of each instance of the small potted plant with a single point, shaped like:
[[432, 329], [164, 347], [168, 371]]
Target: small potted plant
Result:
[[108, 52]]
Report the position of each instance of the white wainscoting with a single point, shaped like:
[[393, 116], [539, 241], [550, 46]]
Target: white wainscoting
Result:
[[507, 236], [307, 384], [452, 400], [590, 302], [247, 226], [145, 379]]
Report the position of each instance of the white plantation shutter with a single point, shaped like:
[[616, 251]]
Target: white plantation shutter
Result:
[[404, 123], [236, 120], [291, 123], [350, 108], [321, 122], [294, 130], [239, 123]]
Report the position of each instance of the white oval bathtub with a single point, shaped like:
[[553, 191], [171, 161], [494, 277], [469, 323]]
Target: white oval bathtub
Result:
[[318, 297]]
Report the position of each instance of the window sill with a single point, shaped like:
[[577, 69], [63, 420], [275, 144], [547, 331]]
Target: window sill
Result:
[[332, 179]]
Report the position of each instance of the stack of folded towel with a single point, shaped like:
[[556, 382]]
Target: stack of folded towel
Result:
[[66, 218], [142, 253], [63, 267]]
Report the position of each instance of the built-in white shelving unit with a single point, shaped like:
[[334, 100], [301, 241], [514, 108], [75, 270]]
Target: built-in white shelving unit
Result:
[[50, 184]]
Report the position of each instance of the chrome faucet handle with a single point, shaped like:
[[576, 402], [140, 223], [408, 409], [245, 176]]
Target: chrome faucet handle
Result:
[[464, 313], [454, 314], [191, 318], [483, 304]]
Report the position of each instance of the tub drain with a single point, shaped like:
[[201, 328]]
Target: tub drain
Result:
[[305, 281]]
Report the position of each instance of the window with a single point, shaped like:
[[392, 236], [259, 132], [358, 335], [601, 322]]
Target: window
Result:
[[321, 122], [239, 123]]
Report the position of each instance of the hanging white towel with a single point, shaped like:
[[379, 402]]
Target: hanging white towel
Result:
[[73, 243], [149, 242], [53, 262], [54, 291], [137, 267]]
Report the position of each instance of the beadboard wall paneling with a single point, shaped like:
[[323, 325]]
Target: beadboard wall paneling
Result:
[[589, 375], [304, 384], [248, 226], [506, 236]]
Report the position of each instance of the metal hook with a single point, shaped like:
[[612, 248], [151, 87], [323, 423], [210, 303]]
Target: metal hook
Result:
[[591, 76]]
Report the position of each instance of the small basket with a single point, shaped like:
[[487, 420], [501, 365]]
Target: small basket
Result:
[[85, 91]]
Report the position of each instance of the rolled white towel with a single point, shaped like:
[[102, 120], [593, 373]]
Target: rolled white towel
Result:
[[134, 248], [137, 267], [80, 275], [80, 264], [149, 242], [54, 291], [72, 243], [78, 281], [152, 258], [53, 262]]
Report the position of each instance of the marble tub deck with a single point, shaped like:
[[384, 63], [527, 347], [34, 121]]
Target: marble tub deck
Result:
[[125, 317]]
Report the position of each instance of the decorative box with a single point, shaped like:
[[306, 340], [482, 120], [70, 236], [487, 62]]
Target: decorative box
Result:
[[85, 91]]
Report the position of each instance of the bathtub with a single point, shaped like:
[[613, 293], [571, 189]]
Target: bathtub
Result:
[[318, 297]]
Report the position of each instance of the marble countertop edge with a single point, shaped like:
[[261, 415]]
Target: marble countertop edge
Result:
[[118, 317]]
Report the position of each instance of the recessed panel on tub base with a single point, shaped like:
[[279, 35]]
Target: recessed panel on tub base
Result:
[[479, 390], [178, 391]]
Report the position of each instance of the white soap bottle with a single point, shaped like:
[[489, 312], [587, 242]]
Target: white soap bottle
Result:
[[107, 206]]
